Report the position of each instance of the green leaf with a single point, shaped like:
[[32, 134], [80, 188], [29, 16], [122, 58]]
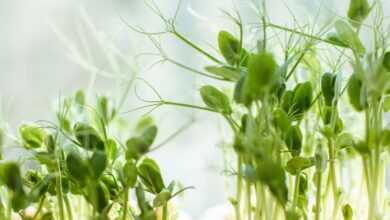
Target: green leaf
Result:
[[287, 101], [297, 164], [385, 137], [149, 135], [356, 93], [225, 72], [77, 167], [349, 36], [138, 146], [215, 99], [102, 108], [362, 147], [162, 198], [261, 76], [46, 159], [19, 200], [32, 136], [129, 174], [281, 120], [303, 95], [229, 47], [10, 176], [386, 60], [238, 90], [344, 140], [347, 212], [88, 137], [143, 123], [149, 172], [328, 83], [335, 40], [98, 163], [358, 11], [293, 140], [111, 149], [79, 98], [386, 103]]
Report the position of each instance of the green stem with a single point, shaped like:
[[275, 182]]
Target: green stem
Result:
[[248, 200], [165, 212], [258, 201], [296, 191], [301, 33], [197, 48], [60, 196], [163, 102], [239, 189], [318, 194], [39, 209], [125, 203], [69, 207]]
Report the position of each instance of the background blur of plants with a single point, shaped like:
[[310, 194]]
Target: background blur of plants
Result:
[[43, 43]]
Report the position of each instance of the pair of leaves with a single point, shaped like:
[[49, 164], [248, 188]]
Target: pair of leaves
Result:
[[231, 49], [81, 169], [215, 99], [88, 137], [297, 102], [32, 136], [328, 88], [140, 145], [150, 174], [358, 11]]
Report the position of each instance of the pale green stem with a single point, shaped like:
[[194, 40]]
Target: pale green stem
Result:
[[318, 195], [239, 189], [39, 209], [165, 212], [69, 207], [125, 203]]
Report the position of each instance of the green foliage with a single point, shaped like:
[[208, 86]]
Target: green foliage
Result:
[[77, 167], [32, 136], [88, 137], [225, 72], [349, 37], [358, 11], [129, 174], [297, 164], [356, 93], [149, 172], [229, 47], [328, 83], [215, 99], [347, 212], [293, 140], [260, 77]]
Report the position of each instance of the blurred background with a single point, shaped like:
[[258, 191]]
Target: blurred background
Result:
[[51, 48]]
